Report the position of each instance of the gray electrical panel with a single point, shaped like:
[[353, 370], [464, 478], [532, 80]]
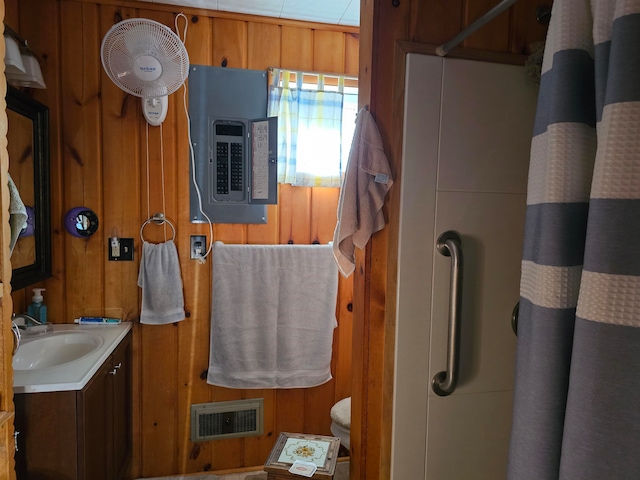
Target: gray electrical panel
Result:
[[235, 146]]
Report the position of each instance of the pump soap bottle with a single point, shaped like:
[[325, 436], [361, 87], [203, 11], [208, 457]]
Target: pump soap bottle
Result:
[[37, 309]]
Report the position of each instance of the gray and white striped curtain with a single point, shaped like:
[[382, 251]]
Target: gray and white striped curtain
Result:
[[577, 398]]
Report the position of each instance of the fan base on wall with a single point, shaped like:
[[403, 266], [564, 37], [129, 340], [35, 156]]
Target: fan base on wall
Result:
[[154, 109]]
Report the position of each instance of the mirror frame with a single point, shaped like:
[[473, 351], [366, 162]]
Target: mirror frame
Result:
[[22, 104]]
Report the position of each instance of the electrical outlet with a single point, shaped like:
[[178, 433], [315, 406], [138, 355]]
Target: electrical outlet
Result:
[[198, 246], [120, 249]]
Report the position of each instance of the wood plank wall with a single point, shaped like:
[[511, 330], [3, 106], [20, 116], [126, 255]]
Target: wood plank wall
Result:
[[384, 26], [98, 160], [6, 305]]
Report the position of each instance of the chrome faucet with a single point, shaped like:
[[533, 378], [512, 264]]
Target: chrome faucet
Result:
[[16, 337], [27, 318]]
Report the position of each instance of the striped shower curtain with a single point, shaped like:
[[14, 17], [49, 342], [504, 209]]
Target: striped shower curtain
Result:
[[577, 398]]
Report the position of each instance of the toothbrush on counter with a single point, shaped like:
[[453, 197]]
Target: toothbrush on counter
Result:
[[97, 320]]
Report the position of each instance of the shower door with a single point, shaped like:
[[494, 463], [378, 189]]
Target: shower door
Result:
[[466, 148]]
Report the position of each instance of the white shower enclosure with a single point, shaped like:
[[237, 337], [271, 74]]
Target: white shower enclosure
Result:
[[467, 136]]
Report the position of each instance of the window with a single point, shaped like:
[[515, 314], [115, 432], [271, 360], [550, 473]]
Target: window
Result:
[[316, 120]]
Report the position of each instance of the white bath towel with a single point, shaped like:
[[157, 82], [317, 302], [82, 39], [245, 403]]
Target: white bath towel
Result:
[[367, 180], [161, 283], [17, 214], [273, 315]]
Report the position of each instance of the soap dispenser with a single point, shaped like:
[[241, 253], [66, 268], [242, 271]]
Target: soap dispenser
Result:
[[37, 309]]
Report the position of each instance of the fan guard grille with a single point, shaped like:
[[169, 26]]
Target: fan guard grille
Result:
[[139, 37]]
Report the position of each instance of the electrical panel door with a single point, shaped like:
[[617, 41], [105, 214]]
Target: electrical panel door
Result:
[[234, 146]]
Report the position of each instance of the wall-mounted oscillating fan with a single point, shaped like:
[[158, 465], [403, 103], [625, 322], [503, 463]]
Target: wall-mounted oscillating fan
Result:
[[146, 59]]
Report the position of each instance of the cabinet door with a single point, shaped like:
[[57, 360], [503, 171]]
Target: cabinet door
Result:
[[47, 441], [95, 433], [122, 406]]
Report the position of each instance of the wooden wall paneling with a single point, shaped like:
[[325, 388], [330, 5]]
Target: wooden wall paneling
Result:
[[230, 232], [256, 450], [229, 43], [170, 359], [343, 350], [263, 45], [359, 372], [324, 213], [159, 344], [296, 48], [120, 181], [6, 303], [158, 400], [328, 51], [84, 259], [294, 207], [430, 21], [525, 29], [11, 16], [265, 233], [295, 226], [352, 53], [493, 36], [193, 333], [342, 357], [43, 35], [6, 306], [263, 51], [230, 50], [370, 402], [227, 453], [320, 399]]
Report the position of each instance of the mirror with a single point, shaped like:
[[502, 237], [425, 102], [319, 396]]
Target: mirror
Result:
[[28, 147]]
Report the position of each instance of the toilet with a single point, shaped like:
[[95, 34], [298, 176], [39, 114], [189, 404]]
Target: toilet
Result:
[[341, 421]]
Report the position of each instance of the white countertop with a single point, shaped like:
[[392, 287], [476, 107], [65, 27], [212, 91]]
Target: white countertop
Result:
[[72, 375]]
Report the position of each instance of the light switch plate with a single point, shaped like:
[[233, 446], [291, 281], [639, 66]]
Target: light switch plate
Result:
[[125, 250]]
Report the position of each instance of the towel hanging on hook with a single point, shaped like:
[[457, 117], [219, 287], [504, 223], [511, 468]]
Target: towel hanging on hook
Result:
[[160, 279], [158, 218]]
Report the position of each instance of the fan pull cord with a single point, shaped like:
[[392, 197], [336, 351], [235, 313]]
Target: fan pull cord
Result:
[[147, 152], [186, 25], [164, 204]]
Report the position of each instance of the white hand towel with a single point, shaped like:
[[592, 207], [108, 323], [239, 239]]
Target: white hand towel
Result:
[[161, 283], [367, 180], [17, 214], [273, 315]]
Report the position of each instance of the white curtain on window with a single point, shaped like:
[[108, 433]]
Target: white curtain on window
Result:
[[310, 134]]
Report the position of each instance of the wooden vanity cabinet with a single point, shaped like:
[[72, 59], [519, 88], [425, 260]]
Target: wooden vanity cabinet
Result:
[[83, 435]]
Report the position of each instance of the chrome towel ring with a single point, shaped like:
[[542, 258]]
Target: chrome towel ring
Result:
[[158, 218]]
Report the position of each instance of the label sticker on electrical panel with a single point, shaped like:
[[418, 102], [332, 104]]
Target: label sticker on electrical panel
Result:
[[260, 152]]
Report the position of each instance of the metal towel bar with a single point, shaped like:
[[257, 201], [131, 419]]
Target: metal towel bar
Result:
[[450, 245]]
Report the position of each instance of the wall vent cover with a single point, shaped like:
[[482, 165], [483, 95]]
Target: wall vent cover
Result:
[[238, 418]]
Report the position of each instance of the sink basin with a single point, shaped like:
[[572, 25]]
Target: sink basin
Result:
[[57, 348], [64, 357]]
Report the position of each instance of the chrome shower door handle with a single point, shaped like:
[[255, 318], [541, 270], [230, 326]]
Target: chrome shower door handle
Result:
[[450, 245]]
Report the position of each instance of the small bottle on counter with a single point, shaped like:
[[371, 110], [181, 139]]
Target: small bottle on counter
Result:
[[37, 309]]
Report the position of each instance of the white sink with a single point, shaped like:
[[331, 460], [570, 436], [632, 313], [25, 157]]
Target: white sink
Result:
[[64, 359], [55, 349]]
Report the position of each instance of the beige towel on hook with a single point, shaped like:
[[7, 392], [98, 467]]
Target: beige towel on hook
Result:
[[367, 180]]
